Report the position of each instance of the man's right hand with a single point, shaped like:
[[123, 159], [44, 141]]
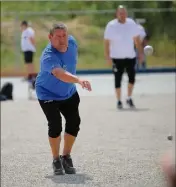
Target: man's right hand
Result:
[[65, 76], [109, 62], [85, 84]]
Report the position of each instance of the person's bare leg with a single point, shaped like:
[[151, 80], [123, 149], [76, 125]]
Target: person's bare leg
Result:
[[55, 146], [118, 80], [30, 68], [118, 94], [68, 143], [129, 98], [130, 89], [71, 113], [66, 157]]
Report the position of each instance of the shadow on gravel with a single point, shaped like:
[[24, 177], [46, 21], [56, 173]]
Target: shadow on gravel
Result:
[[69, 179], [134, 109]]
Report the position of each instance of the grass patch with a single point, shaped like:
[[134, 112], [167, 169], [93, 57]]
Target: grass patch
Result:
[[90, 41]]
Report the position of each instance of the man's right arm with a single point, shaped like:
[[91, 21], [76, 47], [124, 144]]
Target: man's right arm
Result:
[[51, 65], [107, 45], [106, 50], [64, 76]]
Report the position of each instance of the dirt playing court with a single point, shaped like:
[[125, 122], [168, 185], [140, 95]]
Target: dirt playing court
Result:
[[114, 148]]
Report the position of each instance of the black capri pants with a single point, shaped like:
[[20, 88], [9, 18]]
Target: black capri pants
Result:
[[122, 65], [69, 108]]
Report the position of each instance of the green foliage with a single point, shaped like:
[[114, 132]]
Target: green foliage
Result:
[[156, 21], [88, 30]]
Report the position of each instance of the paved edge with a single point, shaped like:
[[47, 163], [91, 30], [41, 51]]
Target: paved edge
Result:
[[101, 71]]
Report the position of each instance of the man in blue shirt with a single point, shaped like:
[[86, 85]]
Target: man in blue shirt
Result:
[[57, 94]]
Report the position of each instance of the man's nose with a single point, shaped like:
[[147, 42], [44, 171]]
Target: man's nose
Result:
[[62, 39]]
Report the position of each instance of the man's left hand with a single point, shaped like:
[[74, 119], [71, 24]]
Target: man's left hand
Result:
[[141, 58]]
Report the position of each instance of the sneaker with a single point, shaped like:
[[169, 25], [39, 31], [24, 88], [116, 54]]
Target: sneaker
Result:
[[57, 167], [68, 164], [32, 84], [130, 103], [119, 105], [25, 79]]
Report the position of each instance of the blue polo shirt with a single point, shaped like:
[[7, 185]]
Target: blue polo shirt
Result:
[[48, 87]]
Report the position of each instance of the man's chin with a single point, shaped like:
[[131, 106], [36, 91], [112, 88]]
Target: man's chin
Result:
[[63, 49]]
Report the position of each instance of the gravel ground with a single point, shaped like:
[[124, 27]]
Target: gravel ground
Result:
[[114, 148]]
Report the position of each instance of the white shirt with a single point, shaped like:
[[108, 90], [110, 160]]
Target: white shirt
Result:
[[121, 38], [26, 44], [142, 32]]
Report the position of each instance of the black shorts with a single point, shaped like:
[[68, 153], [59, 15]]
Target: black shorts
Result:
[[28, 57], [69, 108], [127, 64]]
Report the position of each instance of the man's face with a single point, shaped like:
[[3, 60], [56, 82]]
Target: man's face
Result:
[[121, 14], [59, 39], [23, 27]]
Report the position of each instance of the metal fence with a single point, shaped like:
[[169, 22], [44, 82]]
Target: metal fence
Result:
[[88, 30]]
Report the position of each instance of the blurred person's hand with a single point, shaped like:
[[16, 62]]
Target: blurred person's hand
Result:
[[109, 62], [140, 58], [169, 168]]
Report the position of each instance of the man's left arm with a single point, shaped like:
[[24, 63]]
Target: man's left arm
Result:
[[32, 38], [144, 37], [138, 43]]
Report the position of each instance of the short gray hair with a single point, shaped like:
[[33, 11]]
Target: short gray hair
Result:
[[61, 26], [121, 7]]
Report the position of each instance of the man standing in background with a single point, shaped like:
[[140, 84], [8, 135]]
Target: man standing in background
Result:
[[121, 34], [28, 47]]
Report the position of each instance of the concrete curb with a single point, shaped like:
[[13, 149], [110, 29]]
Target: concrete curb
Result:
[[98, 72], [144, 71]]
